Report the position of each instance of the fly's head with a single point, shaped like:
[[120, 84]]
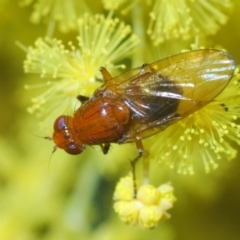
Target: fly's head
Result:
[[64, 135]]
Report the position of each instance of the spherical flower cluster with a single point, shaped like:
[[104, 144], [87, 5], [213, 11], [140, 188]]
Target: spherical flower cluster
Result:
[[71, 70], [60, 12], [149, 206], [185, 19]]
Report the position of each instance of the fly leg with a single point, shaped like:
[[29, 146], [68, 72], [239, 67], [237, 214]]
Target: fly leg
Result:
[[82, 98], [141, 152], [105, 147], [105, 73]]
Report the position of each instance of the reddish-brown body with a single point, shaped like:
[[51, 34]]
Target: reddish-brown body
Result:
[[144, 101], [101, 121]]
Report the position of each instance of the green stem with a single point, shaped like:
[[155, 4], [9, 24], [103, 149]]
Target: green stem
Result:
[[138, 29]]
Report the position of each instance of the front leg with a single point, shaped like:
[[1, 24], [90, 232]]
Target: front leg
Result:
[[82, 98], [105, 147], [105, 73]]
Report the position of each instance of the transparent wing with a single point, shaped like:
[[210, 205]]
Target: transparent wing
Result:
[[168, 90]]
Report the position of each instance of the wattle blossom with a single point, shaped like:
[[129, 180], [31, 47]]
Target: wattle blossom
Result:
[[74, 70], [58, 196], [63, 13], [149, 206]]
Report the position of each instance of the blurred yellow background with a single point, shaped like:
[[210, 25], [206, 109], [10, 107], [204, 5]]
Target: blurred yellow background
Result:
[[44, 196]]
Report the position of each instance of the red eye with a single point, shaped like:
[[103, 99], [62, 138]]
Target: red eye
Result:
[[60, 123], [73, 149]]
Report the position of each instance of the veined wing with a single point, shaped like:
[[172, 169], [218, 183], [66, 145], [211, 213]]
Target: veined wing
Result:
[[168, 90]]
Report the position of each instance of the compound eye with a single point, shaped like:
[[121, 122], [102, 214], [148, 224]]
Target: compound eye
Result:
[[73, 149], [60, 123]]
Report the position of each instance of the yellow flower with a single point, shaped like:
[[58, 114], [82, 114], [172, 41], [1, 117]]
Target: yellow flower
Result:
[[74, 70], [205, 136], [186, 18], [148, 208], [65, 13], [70, 200]]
